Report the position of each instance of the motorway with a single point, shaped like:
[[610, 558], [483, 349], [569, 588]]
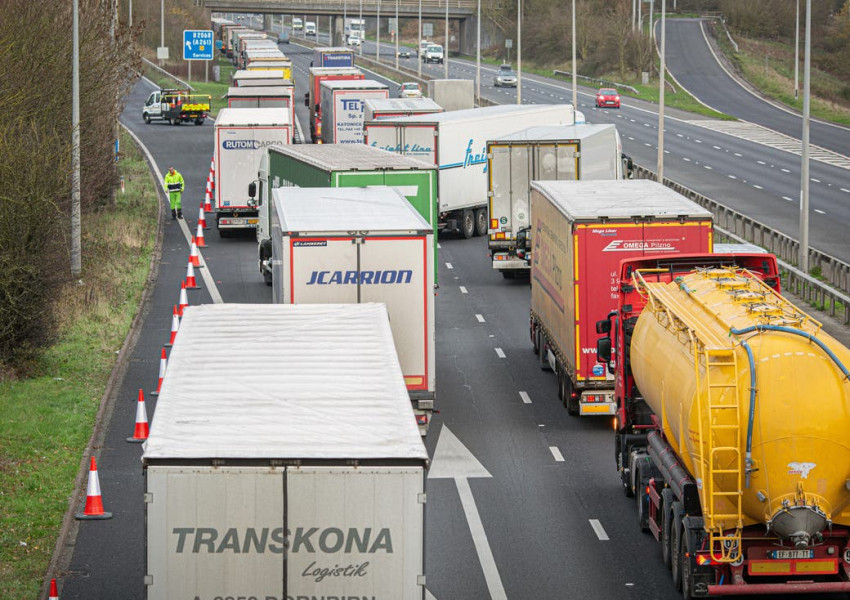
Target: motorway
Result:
[[554, 522]]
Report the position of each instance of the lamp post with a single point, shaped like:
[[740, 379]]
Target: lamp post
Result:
[[419, 43], [361, 28], [797, 52], [446, 50], [397, 34], [661, 81], [478, 58], [378, 28], [804, 171], [575, 76], [519, 51], [76, 238]]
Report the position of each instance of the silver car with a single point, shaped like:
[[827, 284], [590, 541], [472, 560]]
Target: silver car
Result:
[[505, 77]]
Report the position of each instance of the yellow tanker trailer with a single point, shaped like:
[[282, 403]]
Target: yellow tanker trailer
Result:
[[733, 426]]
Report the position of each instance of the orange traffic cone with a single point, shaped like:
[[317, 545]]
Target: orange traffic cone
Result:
[[194, 258], [184, 300], [199, 237], [140, 434], [175, 325], [54, 593], [94, 503], [208, 200], [202, 219], [212, 172], [163, 364], [191, 284]]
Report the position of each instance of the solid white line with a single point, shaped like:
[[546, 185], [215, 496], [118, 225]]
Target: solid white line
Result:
[[556, 453], [479, 537], [204, 273], [463, 290], [526, 399], [480, 318], [598, 530], [500, 353], [449, 265]]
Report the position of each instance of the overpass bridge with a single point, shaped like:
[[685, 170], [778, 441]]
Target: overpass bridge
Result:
[[462, 11]]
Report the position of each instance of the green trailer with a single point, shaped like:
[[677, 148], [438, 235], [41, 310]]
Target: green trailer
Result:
[[342, 165]]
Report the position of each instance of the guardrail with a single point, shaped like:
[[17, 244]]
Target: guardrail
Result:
[[595, 80], [369, 7], [162, 71], [829, 295]]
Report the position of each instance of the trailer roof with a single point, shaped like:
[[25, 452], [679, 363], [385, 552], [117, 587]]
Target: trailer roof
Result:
[[258, 74], [546, 133], [617, 199], [324, 49], [318, 71], [259, 91], [350, 157], [312, 381], [246, 117], [354, 84], [402, 104], [499, 111], [371, 209]]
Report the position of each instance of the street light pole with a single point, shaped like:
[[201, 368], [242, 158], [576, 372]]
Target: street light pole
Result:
[[797, 52], [519, 51], [446, 50], [362, 30], [478, 58], [804, 171], [162, 28], [575, 76], [76, 237], [131, 13], [397, 34], [661, 82], [419, 42], [651, 16], [378, 22]]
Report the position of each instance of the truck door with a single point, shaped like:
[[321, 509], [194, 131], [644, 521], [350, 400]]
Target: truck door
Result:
[[153, 105], [324, 270], [509, 178]]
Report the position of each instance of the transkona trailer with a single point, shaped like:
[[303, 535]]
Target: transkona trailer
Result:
[[559, 152], [456, 142], [313, 97], [580, 231], [336, 165], [283, 459], [362, 245], [241, 138], [333, 57], [731, 427], [384, 108], [342, 108]]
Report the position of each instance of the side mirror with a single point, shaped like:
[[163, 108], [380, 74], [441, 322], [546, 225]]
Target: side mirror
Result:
[[252, 189], [603, 327], [603, 350]]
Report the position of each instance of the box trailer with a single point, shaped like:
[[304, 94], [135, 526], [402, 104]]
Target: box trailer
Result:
[[241, 138], [271, 471], [257, 77], [342, 108], [263, 97], [313, 97], [580, 231], [386, 108], [558, 152], [336, 57], [452, 94], [352, 245], [335, 165], [456, 141]]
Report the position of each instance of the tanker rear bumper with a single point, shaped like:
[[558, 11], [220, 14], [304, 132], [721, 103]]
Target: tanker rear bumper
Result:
[[767, 589]]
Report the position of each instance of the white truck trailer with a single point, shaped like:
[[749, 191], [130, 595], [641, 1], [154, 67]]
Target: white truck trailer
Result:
[[357, 245], [342, 108], [452, 94], [388, 108], [241, 138], [456, 141], [557, 152], [272, 472]]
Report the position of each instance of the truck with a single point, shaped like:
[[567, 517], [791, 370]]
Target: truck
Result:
[[268, 481], [342, 108], [580, 230], [456, 141], [734, 445], [241, 137], [353, 245], [335, 165], [332, 57], [176, 107], [312, 99], [386, 108], [263, 97], [557, 152], [282, 65], [258, 77], [452, 94]]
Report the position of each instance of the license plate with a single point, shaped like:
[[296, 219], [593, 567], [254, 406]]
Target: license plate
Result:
[[790, 554], [252, 221]]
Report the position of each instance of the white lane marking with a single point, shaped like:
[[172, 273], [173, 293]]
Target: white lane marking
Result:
[[820, 212], [716, 147], [647, 144], [787, 198], [758, 187], [556, 453], [732, 177], [785, 170], [845, 190], [463, 290], [526, 399], [438, 246], [707, 167], [480, 318], [761, 162], [449, 265], [686, 159], [698, 141], [205, 272], [815, 180], [598, 530], [500, 353], [738, 154]]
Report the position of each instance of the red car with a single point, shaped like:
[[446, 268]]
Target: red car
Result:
[[607, 97]]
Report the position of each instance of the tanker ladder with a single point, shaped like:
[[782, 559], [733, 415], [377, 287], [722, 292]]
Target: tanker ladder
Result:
[[723, 444]]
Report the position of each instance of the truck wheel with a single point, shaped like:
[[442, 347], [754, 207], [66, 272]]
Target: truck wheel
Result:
[[642, 499], [174, 121], [508, 274], [468, 223], [199, 121], [572, 401], [147, 118], [668, 505], [676, 551], [535, 343], [544, 354], [687, 571], [480, 222]]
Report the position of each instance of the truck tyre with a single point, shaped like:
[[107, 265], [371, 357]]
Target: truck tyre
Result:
[[667, 507], [535, 343], [572, 402], [147, 118], [174, 121], [508, 274], [480, 222], [687, 570], [264, 256], [544, 354], [468, 223], [676, 550], [199, 121], [642, 499]]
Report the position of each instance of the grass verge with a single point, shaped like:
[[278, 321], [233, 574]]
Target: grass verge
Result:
[[48, 419]]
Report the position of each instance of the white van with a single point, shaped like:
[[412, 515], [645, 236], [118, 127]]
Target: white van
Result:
[[310, 28]]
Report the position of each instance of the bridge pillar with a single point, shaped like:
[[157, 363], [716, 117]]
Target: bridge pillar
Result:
[[267, 22], [468, 35], [339, 36]]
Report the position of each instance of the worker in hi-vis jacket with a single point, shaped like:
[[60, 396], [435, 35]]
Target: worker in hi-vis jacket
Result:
[[174, 186]]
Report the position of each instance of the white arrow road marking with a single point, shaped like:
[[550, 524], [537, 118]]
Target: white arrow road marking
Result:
[[599, 530], [452, 460]]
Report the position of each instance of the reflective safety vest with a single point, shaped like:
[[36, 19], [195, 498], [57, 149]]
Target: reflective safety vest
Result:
[[174, 183]]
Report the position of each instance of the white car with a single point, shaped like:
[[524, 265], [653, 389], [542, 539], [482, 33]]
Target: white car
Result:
[[354, 40], [433, 53], [410, 89]]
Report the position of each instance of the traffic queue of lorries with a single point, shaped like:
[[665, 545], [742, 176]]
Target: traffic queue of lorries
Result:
[[297, 468]]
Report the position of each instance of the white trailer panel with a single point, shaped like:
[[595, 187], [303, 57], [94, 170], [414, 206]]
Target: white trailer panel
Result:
[[342, 108]]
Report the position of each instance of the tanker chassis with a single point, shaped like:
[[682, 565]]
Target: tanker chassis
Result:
[[734, 443]]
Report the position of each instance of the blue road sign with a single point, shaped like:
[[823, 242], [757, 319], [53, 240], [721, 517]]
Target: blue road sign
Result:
[[198, 44]]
